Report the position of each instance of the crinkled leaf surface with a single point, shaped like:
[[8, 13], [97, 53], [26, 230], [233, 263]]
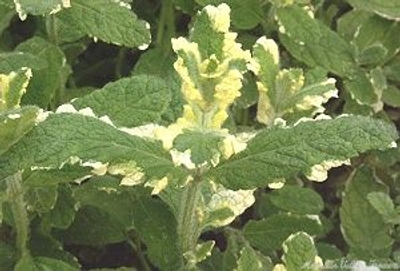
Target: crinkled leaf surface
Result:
[[389, 8], [282, 152], [362, 226], [108, 21], [45, 82], [15, 60], [269, 234], [14, 124], [299, 33], [61, 136], [130, 101], [250, 260]]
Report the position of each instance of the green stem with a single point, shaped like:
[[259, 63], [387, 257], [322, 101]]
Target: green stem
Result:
[[120, 62], [188, 220], [51, 29], [135, 244], [18, 207], [166, 26]]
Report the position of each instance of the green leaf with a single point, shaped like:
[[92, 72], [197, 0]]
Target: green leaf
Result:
[[328, 252], [41, 199], [109, 231], [371, 55], [14, 86], [63, 212], [298, 200], [108, 21], [39, 7], [42, 264], [204, 147], [200, 253], [159, 234], [130, 101], [389, 8], [282, 152], [156, 62], [250, 260], [6, 14], [269, 234], [105, 193], [246, 14], [362, 226], [14, 61], [13, 128], [68, 173], [299, 33], [300, 253], [391, 96], [64, 136], [46, 82], [382, 203]]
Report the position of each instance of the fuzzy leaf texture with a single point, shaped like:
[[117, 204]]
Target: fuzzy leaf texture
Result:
[[60, 136], [282, 152], [109, 21], [130, 101]]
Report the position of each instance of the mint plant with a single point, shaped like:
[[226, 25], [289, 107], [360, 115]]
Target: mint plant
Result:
[[210, 150]]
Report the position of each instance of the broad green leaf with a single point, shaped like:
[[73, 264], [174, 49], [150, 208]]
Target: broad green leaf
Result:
[[282, 152], [299, 33], [108, 21], [41, 199], [130, 101], [389, 8], [39, 7], [159, 234], [45, 83], [297, 200], [65, 137], [67, 174], [328, 252], [7, 256], [362, 226], [371, 55], [14, 124], [42, 264], [105, 193], [300, 253], [269, 234], [384, 205], [349, 23], [246, 14], [204, 147], [14, 61], [63, 212], [109, 231]]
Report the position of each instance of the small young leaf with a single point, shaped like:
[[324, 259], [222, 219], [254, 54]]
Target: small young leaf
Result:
[[129, 102], [41, 199], [362, 226], [300, 253], [282, 152], [269, 234], [382, 203], [250, 260], [391, 96], [298, 200], [108, 21]]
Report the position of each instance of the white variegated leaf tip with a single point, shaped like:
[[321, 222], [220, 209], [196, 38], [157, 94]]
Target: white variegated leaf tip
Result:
[[319, 172], [182, 158], [393, 145], [158, 185], [276, 185], [220, 16]]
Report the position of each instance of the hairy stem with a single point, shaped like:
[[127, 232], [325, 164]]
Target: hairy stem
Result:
[[188, 220], [18, 207], [166, 26]]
